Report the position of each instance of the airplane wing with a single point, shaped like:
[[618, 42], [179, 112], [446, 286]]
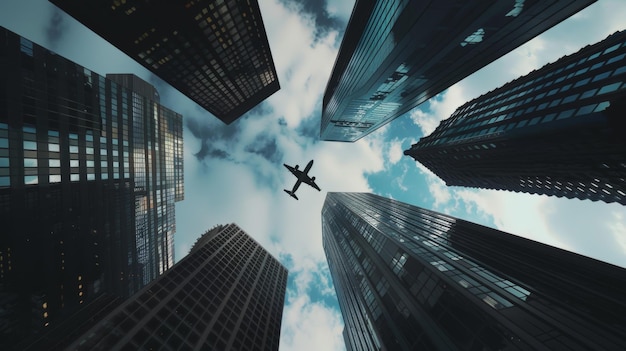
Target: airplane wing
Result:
[[298, 173], [311, 182], [302, 178]]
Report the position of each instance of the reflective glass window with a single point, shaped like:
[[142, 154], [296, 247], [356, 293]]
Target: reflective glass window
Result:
[[585, 110], [616, 58], [555, 102], [612, 48], [581, 82], [566, 114], [601, 76], [602, 106], [539, 96], [620, 70], [566, 87], [609, 88], [548, 118], [30, 145], [534, 121], [597, 65], [30, 162], [31, 180], [569, 99], [594, 55], [588, 93]]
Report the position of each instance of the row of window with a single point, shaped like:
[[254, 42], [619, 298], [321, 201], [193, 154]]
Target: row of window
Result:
[[465, 116]]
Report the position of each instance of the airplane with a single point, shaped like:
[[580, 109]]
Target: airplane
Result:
[[302, 177]]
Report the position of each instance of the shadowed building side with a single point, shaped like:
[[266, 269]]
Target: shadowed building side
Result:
[[214, 52], [558, 131], [89, 173], [226, 294], [409, 278]]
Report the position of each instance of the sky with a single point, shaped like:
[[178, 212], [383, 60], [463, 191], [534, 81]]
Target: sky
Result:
[[234, 173]]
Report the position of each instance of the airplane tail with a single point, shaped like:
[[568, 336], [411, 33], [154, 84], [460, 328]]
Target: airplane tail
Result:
[[290, 193]]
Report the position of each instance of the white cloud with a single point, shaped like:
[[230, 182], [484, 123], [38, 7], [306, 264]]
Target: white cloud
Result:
[[395, 152], [310, 326], [303, 63], [340, 8], [437, 188], [440, 108]]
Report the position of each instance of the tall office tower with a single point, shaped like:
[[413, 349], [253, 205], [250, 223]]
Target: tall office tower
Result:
[[413, 279], [397, 54], [89, 173], [226, 294], [558, 131], [214, 51]]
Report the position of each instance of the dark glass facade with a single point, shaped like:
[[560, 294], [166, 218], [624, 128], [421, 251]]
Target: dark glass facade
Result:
[[558, 131], [413, 279], [397, 54], [226, 294], [214, 51], [89, 173]]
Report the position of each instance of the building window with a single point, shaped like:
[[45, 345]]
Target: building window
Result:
[[26, 46], [397, 263], [609, 88], [30, 145]]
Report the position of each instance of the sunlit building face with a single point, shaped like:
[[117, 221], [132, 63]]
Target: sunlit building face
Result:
[[396, 55]]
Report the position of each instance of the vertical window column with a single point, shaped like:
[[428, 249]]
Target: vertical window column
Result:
[[30, 155], [5, 179]]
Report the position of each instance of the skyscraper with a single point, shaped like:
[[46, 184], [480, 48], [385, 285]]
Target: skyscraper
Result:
[[226, 294], [558, 131], [397, 54], [409, 278], [214, 51], [89, 173]]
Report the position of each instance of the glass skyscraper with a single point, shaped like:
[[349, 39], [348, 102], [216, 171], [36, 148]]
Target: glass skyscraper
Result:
[[214, 51], [559, 131], [226, 294], [397, 54], [90, 168], [413, 279]]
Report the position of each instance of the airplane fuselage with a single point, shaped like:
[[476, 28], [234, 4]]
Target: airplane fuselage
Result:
[[303, 177]]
